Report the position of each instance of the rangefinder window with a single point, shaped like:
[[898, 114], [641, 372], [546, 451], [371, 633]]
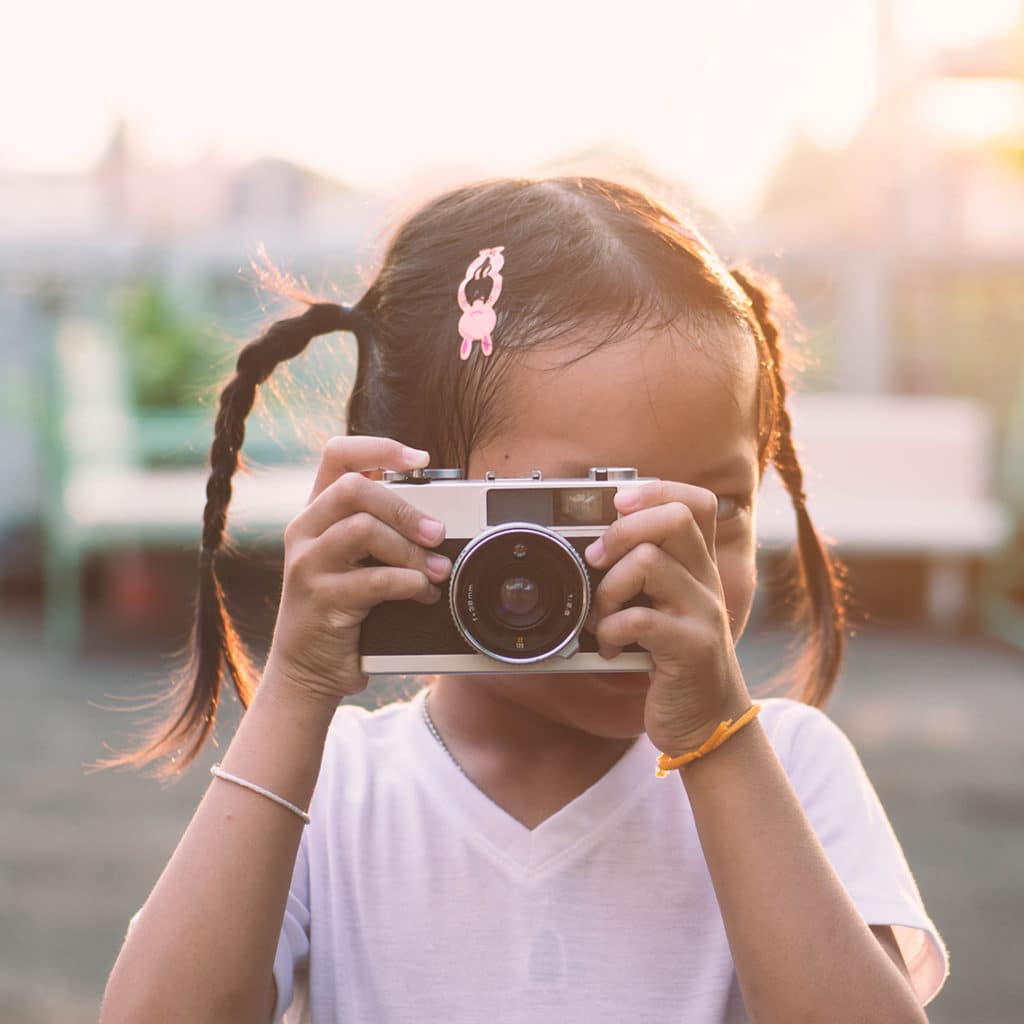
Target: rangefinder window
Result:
[[515, 505], [584, 506]]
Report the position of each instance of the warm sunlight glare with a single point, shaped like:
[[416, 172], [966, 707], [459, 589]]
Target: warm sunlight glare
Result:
[[946, 24], [974, 111], [384, 95]]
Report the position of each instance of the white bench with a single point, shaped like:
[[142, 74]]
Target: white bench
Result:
[[101, 497], [895, 475]]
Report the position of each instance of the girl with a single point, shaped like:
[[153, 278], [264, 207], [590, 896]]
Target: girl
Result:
[[500, 847]]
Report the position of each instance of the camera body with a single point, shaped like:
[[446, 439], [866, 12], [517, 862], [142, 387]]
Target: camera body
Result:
[[519, 590]]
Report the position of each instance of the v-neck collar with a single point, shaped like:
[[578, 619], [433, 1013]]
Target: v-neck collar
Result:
[[505, 840]]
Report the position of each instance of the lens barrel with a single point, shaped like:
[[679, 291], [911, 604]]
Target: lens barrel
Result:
[[519, 593]]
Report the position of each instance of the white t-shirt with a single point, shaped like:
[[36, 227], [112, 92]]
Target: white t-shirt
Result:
[[415, 897]]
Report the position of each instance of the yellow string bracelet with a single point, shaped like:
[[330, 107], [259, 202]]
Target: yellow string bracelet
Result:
[[716, 739]]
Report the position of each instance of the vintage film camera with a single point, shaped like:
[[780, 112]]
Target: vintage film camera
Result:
[[519, 589]]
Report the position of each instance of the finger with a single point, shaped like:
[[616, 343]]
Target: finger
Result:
[[672, 527], [702, 502], [653, 630], [361, 535], [357, 453], [352, 493], [361, 590], [647, 569]]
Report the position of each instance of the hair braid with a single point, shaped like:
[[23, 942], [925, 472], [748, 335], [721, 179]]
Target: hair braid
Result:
[[783, 456], [282, 341], [821, 574], [215, 641]]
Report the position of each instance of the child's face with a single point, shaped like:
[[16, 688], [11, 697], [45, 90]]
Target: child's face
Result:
[[674, 411]]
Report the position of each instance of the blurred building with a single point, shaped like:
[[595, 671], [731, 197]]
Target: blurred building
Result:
[[904, 250], [68, 242], [924, 176], [100, 223]]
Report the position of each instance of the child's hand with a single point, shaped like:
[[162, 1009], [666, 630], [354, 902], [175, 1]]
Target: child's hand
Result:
[[664, 547], [326, 595]]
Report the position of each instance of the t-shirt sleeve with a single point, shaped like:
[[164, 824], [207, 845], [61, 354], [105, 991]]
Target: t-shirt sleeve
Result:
[[853, 828], [291, 961]]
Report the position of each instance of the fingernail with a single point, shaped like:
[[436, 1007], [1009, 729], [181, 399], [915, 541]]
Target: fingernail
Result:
[[431, 529], [415, 454], [438, 565], [627, 499], [595, 551]]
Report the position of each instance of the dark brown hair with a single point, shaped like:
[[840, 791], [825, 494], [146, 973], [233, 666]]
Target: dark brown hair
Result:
[[588, 252]]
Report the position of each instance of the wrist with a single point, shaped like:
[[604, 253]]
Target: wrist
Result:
[[315, 705], [281, 739], [732, 760], [691, 735], [701, 741]]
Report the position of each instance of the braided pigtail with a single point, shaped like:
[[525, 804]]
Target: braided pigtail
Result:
[[216, 644], [821, 575]]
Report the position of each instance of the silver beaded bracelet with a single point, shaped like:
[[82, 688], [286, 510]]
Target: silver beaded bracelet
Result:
[[228, 777]]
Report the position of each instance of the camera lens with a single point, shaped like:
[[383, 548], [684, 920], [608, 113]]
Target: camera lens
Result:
[[520, 604], [519, 592]]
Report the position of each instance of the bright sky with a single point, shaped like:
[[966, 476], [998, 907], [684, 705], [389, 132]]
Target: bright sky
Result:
[[380, 92]]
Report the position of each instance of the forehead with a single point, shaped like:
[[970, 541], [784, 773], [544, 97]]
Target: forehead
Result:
[[674, 406]]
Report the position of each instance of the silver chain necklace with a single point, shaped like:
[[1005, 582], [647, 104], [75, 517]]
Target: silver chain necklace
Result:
[[436, 734], [444, 747]]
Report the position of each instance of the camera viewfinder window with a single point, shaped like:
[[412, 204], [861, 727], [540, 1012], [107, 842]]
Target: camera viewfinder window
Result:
[[512, 505], [585, 506]]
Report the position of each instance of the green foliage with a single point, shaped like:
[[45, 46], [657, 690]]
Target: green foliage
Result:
[[167, 349]]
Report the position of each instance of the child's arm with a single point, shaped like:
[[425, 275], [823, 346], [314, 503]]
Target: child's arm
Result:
[[801, 948], [203, 946]]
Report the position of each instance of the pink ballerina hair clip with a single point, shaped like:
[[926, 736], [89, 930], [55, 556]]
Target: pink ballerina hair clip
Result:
[[478, 319]]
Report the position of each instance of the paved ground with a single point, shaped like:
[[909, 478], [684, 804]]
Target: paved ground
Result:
[[938, 723]]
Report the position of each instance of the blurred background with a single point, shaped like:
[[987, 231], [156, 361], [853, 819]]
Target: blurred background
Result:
[[869, 153]]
